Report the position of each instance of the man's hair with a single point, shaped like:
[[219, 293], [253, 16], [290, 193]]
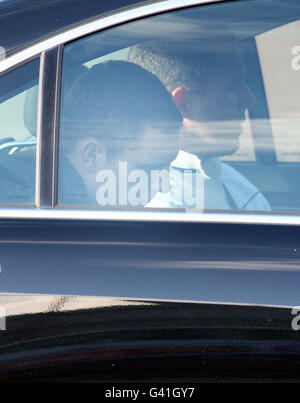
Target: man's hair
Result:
[[114, 101], [185, 62], [173, 65]]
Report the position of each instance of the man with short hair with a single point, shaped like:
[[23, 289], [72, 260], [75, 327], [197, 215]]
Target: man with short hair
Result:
[[119, 126], [206, 78]]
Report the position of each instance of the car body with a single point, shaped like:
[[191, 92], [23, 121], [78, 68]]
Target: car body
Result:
[[123, 295]]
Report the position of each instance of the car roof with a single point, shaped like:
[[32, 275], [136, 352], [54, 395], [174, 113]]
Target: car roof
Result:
[[23, 22]]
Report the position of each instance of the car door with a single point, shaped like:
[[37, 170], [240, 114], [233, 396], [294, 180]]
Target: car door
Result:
[[119, 291]]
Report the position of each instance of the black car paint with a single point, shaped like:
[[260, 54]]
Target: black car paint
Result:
[[158, 275], [224, 263], [151, 342], [194, 301]]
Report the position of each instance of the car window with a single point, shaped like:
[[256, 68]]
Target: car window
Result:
[[18, 115], [282, 87], [184, 110]]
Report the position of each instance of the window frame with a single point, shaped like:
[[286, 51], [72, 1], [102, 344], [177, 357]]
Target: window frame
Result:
[[50, 53]]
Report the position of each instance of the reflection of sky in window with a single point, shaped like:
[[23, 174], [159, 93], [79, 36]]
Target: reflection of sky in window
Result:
[[282, 87], [185, 27], [2, 2]]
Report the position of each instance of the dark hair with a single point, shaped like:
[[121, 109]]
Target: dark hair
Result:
[[184, 62], [114, 101], [171, 65]]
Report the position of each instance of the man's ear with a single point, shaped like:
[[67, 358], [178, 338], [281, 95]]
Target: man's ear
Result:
[[179, 95], [90, 153]]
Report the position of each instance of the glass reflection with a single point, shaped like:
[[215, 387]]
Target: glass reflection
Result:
[[207, 60]]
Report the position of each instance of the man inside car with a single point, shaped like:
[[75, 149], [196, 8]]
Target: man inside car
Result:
[[120, 131], [206, 78]]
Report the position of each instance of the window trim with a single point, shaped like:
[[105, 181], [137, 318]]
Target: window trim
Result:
[[148, 215], [48, 114]]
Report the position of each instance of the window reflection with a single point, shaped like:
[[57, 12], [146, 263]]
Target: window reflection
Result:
[[217, 149]]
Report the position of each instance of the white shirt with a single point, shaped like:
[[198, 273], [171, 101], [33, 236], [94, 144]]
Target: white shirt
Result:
[[208, 184]]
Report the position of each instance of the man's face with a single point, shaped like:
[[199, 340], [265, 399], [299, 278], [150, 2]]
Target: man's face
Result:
[[214, 117], [154, 147]]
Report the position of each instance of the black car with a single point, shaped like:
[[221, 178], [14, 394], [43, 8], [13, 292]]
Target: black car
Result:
[[102, 277]]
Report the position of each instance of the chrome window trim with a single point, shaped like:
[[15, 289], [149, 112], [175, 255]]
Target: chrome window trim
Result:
[[106, 21], [47, 128], [148, 215], [38, 132]]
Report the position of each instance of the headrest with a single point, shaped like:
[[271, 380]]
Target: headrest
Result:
[[30, 109]]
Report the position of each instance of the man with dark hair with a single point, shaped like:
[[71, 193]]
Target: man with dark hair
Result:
[[119, 125], [206, 78]]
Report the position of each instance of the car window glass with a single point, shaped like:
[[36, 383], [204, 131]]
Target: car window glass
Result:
[[18, 115], [282, 87], [222, 148]]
